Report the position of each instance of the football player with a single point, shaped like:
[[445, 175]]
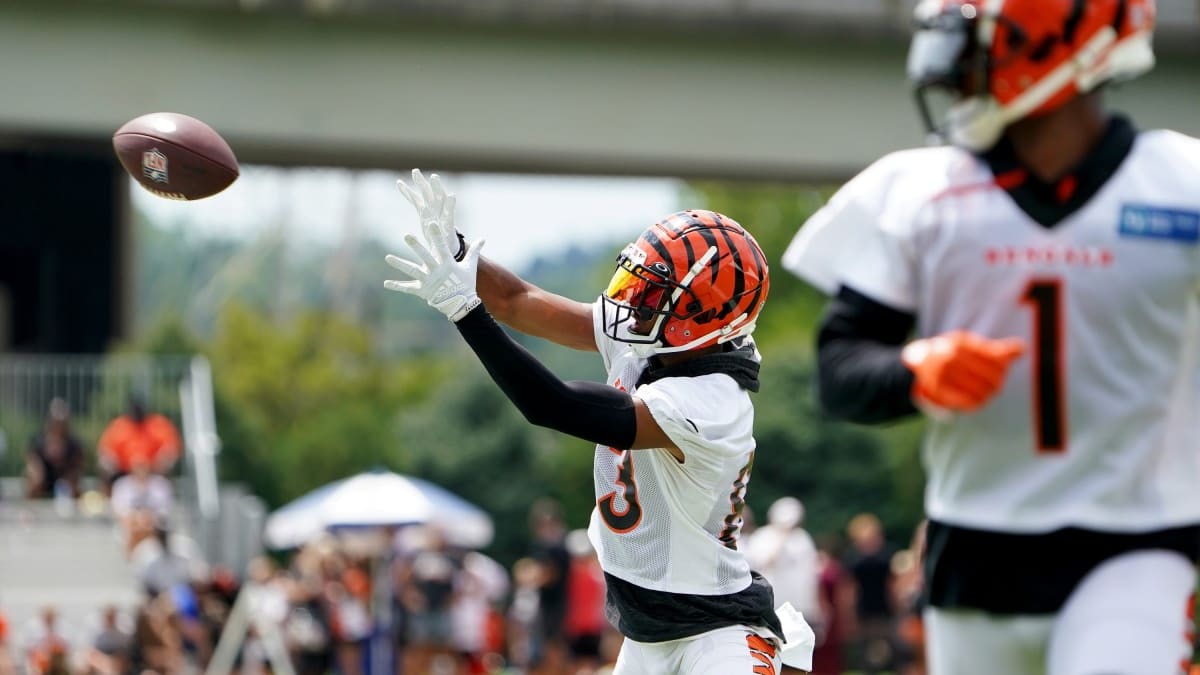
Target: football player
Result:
[[1033, 286], [673, 424]]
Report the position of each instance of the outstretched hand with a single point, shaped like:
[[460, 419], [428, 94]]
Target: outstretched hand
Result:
[[441, 276], [435, 208]]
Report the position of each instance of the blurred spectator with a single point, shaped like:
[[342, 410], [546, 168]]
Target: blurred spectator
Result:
[[870, 565], [157, 642], [7, 667], [141, 491], [429, 579], [48, 652], [550, 552], [908, 598], [482, 584], [136, 528], [111, 649], [307, 627], [585, 622], [166, 560], [523, 613], [350, 622], [268, 607], [137, 435], [784, 553], [54, 462], [836, 594], [197, 640]]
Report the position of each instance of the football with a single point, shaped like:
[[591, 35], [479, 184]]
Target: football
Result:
[[175, 156]]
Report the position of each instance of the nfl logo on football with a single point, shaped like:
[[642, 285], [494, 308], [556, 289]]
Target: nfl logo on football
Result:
[[154, 165]]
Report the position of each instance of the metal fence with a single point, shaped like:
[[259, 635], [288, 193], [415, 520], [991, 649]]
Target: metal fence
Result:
[[97, 389]]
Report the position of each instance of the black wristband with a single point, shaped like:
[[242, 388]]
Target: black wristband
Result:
[[462, 247]]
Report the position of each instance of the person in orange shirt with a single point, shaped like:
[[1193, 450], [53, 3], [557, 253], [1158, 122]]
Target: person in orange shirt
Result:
[[137, 434]]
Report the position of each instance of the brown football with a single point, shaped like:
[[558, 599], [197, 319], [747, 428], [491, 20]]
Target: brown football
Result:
[[175, 156]]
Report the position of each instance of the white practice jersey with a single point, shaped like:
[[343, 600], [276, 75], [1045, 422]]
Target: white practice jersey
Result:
[[1098, 423], [664, 525]]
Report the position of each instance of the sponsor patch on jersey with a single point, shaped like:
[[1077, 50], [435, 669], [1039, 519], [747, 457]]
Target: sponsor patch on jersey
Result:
[[1155, 222]]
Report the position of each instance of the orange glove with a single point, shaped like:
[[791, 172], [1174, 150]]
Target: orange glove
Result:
[[959, 371]]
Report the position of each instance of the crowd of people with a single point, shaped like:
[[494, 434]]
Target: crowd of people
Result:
[[449, 610]]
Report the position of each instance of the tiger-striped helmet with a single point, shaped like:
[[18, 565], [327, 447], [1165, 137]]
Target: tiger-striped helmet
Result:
[[691, 280]]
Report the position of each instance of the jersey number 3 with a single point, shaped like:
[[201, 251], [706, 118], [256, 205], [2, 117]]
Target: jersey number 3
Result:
[[622, 520], [1044, 297]]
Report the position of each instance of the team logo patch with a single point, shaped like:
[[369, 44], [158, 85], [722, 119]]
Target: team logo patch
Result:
[[1154, 222], [154, 165]]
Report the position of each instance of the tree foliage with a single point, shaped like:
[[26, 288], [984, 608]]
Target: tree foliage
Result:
[[308, 401]]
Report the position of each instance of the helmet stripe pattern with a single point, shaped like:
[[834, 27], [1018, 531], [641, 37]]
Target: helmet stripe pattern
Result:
[[670, 307]]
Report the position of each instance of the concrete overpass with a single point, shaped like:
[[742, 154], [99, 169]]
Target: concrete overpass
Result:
[[737, 89], [715, 88]]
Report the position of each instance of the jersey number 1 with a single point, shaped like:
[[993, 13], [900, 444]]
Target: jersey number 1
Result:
[[1044, 296]]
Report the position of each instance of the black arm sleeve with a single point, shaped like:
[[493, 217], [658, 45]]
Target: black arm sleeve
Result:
[[859, 373], [589, 410]]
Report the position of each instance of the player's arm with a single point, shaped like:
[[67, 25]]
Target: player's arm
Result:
[[533, 310], [592, 411], [868, 373], [860, 375], [589, 410]]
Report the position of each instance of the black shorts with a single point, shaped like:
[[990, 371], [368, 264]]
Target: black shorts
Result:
[[1003, 573]]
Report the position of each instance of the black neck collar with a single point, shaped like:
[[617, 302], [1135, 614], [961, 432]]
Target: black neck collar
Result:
[[1048, 203], [736, 362]]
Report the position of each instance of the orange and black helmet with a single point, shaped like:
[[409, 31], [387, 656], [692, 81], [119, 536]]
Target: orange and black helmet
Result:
[[691, 280], [1004, 60]]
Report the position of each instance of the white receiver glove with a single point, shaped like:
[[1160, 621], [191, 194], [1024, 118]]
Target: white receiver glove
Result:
[[448, 285], [435, 207]]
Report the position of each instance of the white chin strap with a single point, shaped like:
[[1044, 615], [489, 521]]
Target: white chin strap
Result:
[[977, 123], [644, 350]]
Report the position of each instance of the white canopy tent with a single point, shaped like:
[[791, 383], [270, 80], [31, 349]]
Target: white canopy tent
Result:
[[378, 499]]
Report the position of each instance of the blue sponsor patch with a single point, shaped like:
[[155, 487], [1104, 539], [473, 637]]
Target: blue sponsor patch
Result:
[[1160, 223]]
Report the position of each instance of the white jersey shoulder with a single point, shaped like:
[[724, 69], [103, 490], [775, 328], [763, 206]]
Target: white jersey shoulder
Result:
[[884, 200], [1176, 157], [666, 525]]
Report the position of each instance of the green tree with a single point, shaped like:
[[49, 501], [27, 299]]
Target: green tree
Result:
[[306, 402], [470, 439]]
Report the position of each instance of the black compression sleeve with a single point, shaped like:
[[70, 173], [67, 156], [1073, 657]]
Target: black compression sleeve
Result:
[[589, 410], [860, 376]]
